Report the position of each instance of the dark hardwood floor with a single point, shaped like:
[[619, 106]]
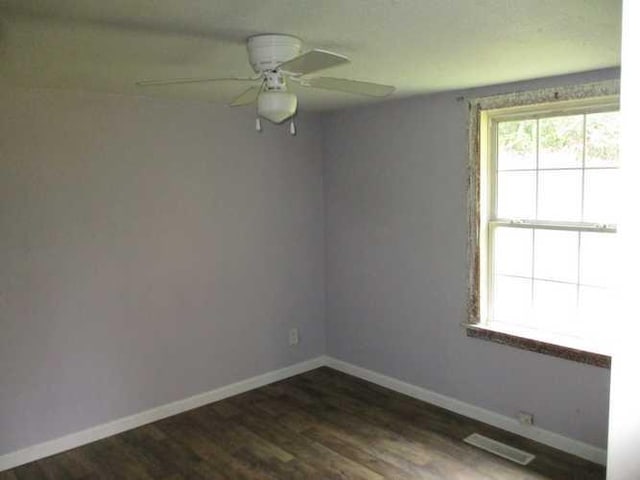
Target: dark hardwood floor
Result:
[[319, 425]]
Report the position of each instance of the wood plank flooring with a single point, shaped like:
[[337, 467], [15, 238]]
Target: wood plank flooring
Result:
[[319, 425]]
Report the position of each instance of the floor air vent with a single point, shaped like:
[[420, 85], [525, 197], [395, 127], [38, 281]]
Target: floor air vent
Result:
[[500, 449]]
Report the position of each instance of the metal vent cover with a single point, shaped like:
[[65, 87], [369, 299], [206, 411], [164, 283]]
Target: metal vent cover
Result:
[[500, 449]]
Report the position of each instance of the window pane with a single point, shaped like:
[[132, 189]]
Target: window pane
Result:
[[556, 255], [517, 145], [594, 308], [516, 194], [512, 251], [596, 258], [561, 142], [603, 131], [512, 300], [600, 195], [559, 195], [555, 305]]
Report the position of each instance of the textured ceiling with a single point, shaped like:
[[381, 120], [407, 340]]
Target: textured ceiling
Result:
[[419, 46]]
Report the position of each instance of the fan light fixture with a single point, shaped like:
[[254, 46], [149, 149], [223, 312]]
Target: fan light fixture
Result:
[[277, 106], [278, 63]]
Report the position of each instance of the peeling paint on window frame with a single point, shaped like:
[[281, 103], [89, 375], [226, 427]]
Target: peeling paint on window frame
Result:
[[476, 106]]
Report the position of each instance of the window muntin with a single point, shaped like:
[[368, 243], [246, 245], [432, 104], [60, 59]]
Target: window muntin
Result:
[[549, 216]]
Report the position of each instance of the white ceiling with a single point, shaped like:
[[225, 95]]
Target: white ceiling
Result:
[[419, 46]]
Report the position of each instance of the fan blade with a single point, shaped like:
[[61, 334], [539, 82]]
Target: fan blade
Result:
[[179, 81], [247, 97], [312, 61], [349, 86]]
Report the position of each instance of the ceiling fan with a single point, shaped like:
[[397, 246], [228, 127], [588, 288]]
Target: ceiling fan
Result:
[[277, 61]]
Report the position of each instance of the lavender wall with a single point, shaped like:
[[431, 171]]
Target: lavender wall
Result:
[[150, 250], [395, 196], [155, 249]]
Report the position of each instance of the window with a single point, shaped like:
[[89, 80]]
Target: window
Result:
[[547, 219]]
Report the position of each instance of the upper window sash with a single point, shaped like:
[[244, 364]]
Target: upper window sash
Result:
[[488, 147]]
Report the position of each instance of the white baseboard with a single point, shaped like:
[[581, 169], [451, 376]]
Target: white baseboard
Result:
[[73, 440], [546, 437]]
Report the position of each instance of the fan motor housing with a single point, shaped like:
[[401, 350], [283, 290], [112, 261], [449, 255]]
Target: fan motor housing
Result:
[[268, 51]]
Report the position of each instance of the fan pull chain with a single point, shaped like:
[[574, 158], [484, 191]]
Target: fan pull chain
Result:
[[258, 125], [292, 128]]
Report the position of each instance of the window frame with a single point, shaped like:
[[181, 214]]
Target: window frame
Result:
[[491, 119], [485, 113]]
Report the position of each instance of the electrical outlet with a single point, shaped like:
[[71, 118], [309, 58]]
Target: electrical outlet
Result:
[[525, 418], [294, 338]]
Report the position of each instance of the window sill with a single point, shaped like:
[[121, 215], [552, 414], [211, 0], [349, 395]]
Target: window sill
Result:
[[569, 349]]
